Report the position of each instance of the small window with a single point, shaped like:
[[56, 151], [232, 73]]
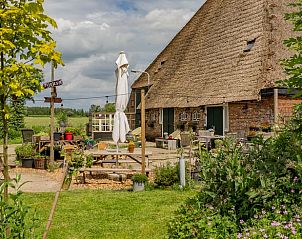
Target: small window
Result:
[[250, 44], [195, 116], [183, 116]]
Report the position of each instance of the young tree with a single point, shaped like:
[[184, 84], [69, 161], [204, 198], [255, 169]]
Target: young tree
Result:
[[292, 65], [25, 46]]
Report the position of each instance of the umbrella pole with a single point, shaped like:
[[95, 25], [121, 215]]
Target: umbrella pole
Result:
[[117, 153]]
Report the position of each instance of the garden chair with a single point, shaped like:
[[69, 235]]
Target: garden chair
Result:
[[27, 135]]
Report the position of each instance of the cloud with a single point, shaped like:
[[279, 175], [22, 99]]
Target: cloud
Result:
[[91, 33]]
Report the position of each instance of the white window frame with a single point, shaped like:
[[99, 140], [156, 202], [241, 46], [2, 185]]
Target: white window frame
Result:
[[195, 116], [103, 124], [183, 116]]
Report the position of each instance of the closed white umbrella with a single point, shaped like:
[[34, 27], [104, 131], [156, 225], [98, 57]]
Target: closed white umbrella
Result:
[[121, 126]]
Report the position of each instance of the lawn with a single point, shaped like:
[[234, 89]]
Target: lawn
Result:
[[108, 214], [43, 121]]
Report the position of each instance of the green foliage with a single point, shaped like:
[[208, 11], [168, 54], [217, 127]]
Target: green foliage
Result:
[[166, 176], [14, 217], [25, 150], [237, 186], [139, 178], [292, 65], [78, 160], [45, 111], [279, 221]]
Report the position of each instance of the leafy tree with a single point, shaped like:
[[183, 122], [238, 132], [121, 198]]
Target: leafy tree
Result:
[[292, 65], [25, 45], [109, 107]]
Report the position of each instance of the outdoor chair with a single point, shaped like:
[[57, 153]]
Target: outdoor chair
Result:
[[27, 135]]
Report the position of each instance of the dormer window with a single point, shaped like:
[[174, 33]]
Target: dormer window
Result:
[[250, 44]]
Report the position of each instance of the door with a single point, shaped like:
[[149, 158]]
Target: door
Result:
[[215, 119], [168, 120]]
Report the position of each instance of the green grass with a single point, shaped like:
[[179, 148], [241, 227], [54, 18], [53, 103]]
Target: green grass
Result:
[[43, 121], [93, 214]]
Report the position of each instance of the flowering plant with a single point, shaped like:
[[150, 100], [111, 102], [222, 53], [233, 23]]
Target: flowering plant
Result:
[[280, 221]]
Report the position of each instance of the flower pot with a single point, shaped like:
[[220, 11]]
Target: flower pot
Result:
[[138, 186], [56, 136], [68, 135], [27, 162], [131, 148], [39, 163]]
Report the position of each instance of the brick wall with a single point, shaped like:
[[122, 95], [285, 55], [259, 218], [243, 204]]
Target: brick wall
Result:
[[286, 108], [243, 115]]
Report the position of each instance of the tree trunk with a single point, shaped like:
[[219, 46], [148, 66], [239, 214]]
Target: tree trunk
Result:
[[4, 162]]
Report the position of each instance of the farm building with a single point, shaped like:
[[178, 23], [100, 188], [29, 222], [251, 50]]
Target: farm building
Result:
[[220, 71]]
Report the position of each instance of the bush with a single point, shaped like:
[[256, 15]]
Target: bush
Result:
[[14, 218], [166, 176], [237, 186], [280, 221], [139, 178]]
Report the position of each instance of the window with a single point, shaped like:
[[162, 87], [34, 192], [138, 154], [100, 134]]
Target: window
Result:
[[195, 116], [250, 44], [103, 123], [183, 116]]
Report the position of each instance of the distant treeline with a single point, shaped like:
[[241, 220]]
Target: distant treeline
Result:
[[31, 111]]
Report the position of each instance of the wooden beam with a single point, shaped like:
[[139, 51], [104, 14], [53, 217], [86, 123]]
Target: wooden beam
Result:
[[143, 131]]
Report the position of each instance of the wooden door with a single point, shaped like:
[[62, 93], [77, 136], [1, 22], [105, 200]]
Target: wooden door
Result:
[[168, 120], [215, 119]]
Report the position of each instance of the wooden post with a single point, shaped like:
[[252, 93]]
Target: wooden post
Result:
[[52, 120], [276, 110], [143, 131]]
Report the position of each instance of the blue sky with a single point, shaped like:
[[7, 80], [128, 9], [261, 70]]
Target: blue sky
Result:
[[91, 34]]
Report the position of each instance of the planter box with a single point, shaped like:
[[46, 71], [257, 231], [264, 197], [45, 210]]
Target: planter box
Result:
[[44, 137], [39, 163]]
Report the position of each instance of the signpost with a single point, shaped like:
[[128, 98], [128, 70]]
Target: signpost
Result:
[[53, 83], [52, 100]]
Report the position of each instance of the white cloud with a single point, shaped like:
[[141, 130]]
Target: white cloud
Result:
[[91, 33]]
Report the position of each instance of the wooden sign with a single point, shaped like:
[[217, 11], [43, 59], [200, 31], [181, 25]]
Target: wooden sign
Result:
[[56, 100], [52, 84]]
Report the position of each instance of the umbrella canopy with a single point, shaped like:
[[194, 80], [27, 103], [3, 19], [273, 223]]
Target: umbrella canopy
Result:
[[121, 126]]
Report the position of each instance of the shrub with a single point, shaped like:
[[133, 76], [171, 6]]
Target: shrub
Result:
[[139, 178], [167, 175], [280, 221], [236, 186], [14, 217]]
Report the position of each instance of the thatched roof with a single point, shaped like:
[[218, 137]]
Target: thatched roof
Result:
[[208, 61]]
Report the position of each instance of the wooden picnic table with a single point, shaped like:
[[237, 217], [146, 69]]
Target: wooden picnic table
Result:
[[111, 156], [207, 139]]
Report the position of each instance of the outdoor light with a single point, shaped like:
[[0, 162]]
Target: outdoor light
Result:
[[143, 72]]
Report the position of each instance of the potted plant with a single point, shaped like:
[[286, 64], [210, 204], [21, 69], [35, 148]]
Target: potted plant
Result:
[[25, 153], [131, 146], [39, 161], [68, 133], [139, 181], [62, 119]]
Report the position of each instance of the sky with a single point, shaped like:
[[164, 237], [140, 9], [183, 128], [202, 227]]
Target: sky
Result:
[[91, 34]]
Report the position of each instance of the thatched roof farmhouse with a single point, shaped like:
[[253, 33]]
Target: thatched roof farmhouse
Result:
[[220, 70]]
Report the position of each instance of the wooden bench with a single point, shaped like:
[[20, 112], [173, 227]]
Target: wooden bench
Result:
[[111, 170]]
